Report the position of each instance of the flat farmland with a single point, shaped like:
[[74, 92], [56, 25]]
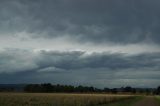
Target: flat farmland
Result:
[[64, 99]]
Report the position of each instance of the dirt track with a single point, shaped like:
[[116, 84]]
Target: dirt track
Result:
[[148, 101]]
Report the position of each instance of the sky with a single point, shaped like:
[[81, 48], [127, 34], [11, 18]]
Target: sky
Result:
[[100, 43]]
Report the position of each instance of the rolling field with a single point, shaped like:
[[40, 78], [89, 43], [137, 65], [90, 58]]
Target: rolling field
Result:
[[53, 99]]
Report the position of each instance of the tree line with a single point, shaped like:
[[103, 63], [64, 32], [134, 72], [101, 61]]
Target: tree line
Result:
[[47, 87]]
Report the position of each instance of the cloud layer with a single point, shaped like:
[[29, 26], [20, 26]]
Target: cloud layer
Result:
[[107, 42], [83, 67], [86, 21], [15, 60]]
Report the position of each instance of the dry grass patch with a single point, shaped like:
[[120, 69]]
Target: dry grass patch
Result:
[[55, 99]]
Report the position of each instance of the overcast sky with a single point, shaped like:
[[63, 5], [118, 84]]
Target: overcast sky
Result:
[[102, 43]]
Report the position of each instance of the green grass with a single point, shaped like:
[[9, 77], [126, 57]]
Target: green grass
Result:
[[158, 99], [124, 102]]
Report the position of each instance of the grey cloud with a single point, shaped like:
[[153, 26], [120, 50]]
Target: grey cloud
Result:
[[86, 21], [79, 60], [14, 60], [79, 21], [76, 67], [23, 60]]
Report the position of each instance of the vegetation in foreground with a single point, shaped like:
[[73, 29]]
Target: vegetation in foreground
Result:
[[47, 99], [125, 102], [158, 99]]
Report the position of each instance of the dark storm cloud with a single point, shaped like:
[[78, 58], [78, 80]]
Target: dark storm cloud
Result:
[[80, 25], [79, 60], [88, 21], [77, 67], [53, 61]]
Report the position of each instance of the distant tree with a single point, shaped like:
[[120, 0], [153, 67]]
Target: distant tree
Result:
[[134, 90], [114, 90], [47, 87], [128, 89], [147, 91], [158, 90], [106, 90], [33, 88]]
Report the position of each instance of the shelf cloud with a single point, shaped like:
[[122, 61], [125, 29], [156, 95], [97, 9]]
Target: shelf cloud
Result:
[[80, 42]]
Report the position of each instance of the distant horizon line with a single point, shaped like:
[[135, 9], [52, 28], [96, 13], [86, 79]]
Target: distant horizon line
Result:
[[80, 85]]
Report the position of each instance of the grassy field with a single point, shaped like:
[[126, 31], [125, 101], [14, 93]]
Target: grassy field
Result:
[[126, 102], [158, 99], [51, 99]]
